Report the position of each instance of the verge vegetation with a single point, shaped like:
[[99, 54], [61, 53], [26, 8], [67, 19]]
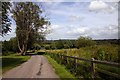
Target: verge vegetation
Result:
[[60, 69], [11, 61]]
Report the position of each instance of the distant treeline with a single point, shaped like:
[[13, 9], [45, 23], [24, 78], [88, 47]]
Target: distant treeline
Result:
[[78, 43], [12, 46], [100, 41], [112, 41]]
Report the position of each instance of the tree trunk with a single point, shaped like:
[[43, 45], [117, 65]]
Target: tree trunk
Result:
[[26, 42], [22, 49]]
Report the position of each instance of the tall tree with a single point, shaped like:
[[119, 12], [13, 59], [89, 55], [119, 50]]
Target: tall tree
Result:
[[30, 23], [5, 22]]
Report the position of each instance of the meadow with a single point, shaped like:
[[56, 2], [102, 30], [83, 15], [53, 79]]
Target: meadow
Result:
[[108, 52], [103, 52]]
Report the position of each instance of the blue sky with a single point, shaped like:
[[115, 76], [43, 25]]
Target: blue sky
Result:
[[69, 20]]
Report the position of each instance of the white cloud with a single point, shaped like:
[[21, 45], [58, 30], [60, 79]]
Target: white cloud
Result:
[[55, 27], [98, 5], [50, 0], [57, 12], [71, 0], [108, 32], [72, 32], [80, 30], [57, 8], [75, 18], [111, 0], [59, 0]]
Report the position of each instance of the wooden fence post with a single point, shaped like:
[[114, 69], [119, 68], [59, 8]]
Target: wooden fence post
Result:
[[66, 60], [92, 69], [62, 59], [75, 61]]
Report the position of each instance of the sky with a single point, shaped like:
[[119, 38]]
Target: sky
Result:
[[97, 19]]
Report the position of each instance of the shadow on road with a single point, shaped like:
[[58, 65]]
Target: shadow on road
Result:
[[34, 54]]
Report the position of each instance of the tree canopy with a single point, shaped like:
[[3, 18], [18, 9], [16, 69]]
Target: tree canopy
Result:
[[5, 22]]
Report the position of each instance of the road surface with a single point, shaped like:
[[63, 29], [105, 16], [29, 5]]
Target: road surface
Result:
[[36, 67]]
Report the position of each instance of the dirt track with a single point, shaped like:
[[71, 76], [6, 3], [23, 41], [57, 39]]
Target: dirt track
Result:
[[36, 67]]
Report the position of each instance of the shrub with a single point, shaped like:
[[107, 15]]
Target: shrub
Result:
[[84, 41]]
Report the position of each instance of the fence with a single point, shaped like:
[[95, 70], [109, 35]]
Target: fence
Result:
[[75, 67]]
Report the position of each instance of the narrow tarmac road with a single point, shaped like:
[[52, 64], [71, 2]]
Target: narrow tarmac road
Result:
[[36, 67]]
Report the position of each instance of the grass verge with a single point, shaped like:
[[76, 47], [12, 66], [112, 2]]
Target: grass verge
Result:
[[60, 70], [11, 61]]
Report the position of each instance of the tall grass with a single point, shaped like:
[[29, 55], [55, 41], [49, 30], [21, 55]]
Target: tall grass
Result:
[[108, 52], [104, 52]]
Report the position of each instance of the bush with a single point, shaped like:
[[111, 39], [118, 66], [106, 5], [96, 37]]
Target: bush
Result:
[[47, 47], [59, 44], [10, 46], [7, 53], [84, 41]]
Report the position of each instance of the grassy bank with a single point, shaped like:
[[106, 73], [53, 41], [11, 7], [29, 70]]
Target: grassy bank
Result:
[[60, 69], [11, 61]]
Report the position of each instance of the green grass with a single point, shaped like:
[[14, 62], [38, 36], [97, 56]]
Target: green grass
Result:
[[11, 61], [60, 69]]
